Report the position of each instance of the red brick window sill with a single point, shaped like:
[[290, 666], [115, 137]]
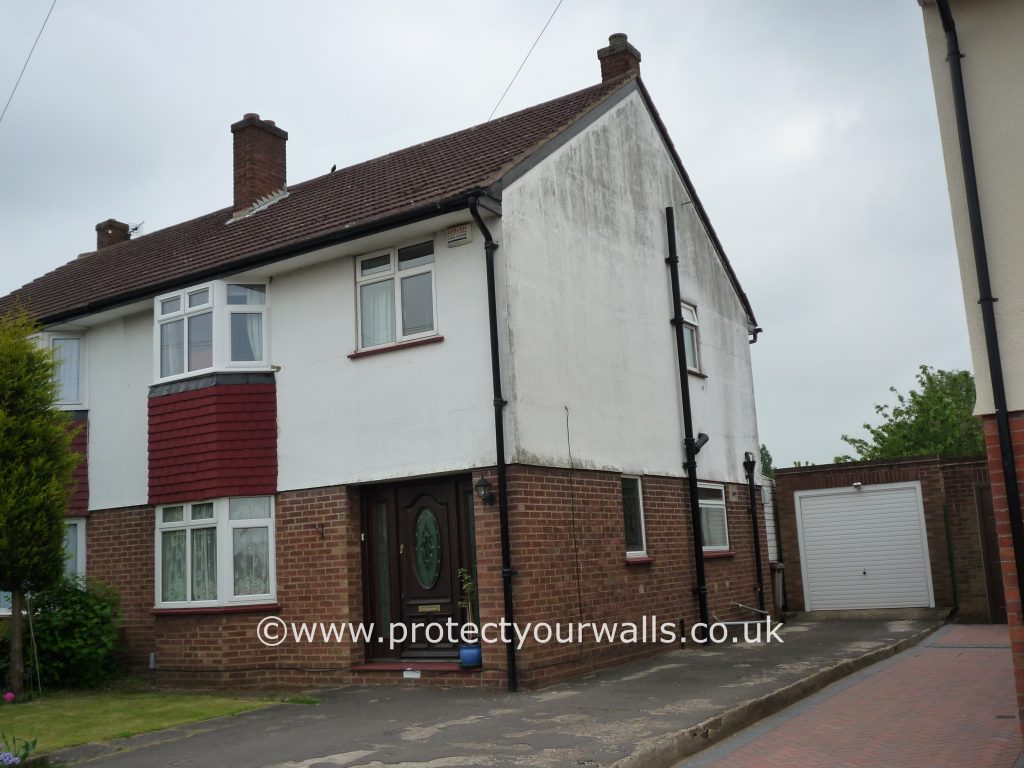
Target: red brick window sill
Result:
[[645, 560], [394, 347], [718, 553], [261, 608]]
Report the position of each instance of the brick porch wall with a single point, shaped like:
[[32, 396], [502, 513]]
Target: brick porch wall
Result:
[[1005, 538]]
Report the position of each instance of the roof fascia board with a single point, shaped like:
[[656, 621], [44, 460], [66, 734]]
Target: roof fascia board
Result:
[[257, 260], [697, 205], [568, 134]]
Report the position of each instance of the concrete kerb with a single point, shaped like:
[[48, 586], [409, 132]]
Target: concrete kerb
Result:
[[668, 750]]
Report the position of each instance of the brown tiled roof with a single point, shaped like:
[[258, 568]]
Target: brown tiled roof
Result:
[[348, 200]]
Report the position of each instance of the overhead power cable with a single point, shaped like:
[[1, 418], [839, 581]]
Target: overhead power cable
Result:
[[559, 5], [27, 59]]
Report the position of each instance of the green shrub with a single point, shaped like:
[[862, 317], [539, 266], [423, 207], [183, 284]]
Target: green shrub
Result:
[[76, 626]]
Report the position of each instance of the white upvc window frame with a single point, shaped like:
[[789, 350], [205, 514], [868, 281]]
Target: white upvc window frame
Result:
[[48, 340], [78, 523], [396, 274], [642, 552], [691, 326], [714, 504], [224, 528], [80, 539], [222, 312]]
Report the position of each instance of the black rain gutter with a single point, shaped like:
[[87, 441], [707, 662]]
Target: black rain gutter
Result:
[[986, 300], [688, 442], [281, 253], [490, 246]]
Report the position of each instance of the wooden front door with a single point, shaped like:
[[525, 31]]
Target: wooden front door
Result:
[[416, 537]]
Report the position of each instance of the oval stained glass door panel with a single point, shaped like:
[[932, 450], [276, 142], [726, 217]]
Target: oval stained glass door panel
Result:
[[428, 548]]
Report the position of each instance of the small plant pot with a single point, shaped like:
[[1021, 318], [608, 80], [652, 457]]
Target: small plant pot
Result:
[[470, 655]]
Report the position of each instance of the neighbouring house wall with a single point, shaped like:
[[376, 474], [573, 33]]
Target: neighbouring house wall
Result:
[[346, 420], [948, 489], [1005, 538], [583, 267], [120, 370], [989, 34]]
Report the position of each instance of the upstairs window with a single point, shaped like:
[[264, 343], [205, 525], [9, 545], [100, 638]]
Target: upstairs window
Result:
[[67, 352], [691, 337], [395, 293], [214, 326], [713, 521]]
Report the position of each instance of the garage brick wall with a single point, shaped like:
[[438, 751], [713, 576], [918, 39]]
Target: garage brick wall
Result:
[[944, 483]]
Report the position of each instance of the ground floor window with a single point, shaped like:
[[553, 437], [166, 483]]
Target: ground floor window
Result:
[[633, 515], [74, 551], [216, 552], [713, 521]]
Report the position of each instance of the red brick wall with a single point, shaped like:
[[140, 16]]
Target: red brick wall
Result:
[[948, 484], [542, 504], [119, 547], [213, 442], [1006, 556], [80, 477], [319, 578], [961, 479]]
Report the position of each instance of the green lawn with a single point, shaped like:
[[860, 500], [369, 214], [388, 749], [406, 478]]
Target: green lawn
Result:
[[68, 718]]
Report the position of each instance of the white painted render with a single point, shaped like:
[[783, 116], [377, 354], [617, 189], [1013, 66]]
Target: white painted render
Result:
[[396, 414], [990, 39], [120, 370], [583, 258]]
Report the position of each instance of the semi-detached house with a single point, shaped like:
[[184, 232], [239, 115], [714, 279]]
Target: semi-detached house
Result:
[[321, 402]]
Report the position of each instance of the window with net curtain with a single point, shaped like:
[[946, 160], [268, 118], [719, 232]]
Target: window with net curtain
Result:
[[713, 520], [395, 293], [216, 552]]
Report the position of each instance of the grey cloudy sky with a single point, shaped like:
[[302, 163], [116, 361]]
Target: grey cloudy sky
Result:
[[808, 127]]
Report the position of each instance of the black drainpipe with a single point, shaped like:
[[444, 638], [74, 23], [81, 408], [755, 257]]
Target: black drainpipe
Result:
[[490, 246], [986, 300], [692, 446], [748, 466]]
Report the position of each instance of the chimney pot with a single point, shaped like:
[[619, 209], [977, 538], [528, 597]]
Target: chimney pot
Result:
[[111, 232], [618, 58], [260, 167]]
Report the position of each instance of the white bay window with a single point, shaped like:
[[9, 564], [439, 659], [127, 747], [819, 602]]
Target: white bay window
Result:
[[216, 326], [395, 293], [218, 552]]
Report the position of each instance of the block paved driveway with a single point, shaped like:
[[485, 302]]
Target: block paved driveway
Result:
[[947, 702]]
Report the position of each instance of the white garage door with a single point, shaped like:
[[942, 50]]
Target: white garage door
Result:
[[864, 548]]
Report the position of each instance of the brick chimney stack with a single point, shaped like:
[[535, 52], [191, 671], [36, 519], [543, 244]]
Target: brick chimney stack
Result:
[[111, 232], [260, 169], [618, 58]]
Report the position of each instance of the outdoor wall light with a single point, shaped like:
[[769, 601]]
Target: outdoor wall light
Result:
[[483, 490]]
